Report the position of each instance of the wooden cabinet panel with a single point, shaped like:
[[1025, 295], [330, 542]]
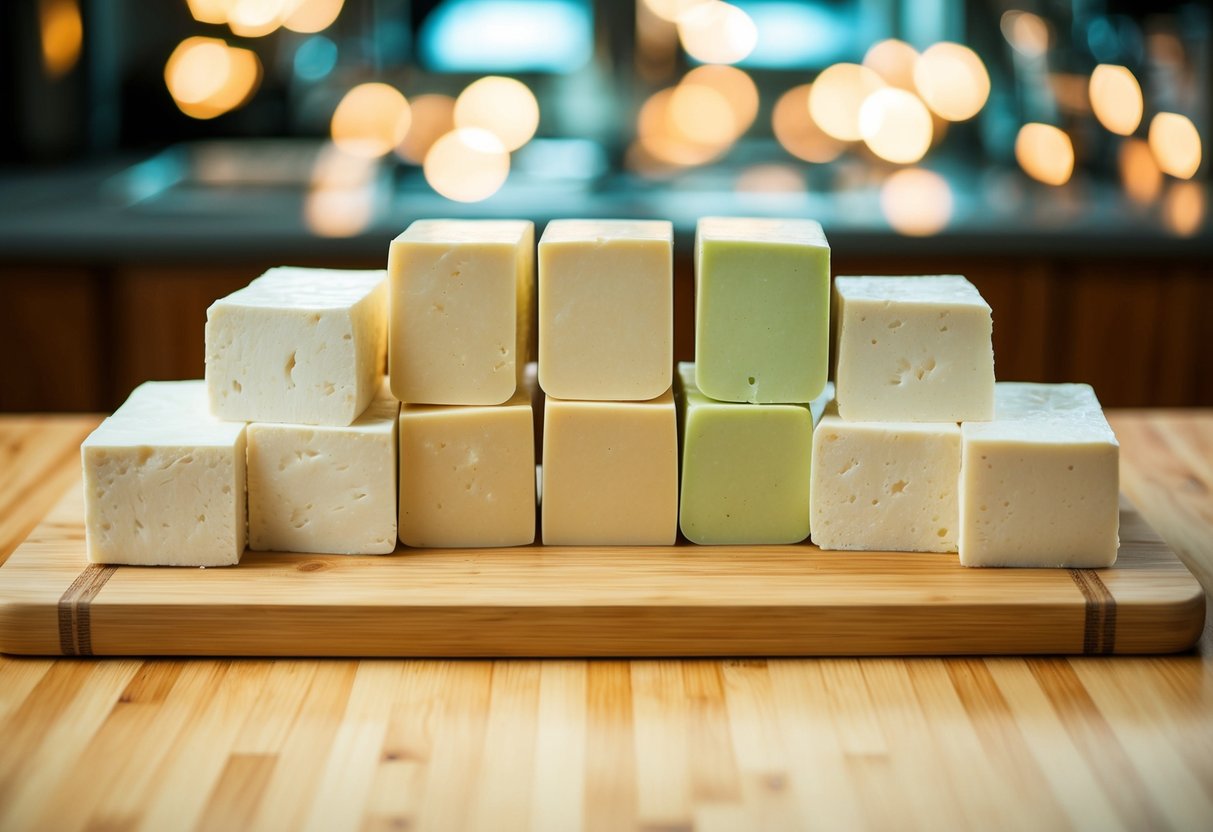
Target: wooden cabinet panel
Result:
[[53, 340], [159, 321]]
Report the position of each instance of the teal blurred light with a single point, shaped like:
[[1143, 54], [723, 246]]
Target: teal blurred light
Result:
[[548, 36], [800, 35]]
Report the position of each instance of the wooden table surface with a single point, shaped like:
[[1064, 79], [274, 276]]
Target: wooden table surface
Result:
[[1098, 743]]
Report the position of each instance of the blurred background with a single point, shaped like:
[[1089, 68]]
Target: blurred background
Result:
[[159, 155]]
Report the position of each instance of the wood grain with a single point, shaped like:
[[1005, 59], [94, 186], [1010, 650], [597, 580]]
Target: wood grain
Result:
[[1043, 743], [549, 601]]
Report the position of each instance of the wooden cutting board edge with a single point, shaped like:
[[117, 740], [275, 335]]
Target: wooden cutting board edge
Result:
[[53, 603]]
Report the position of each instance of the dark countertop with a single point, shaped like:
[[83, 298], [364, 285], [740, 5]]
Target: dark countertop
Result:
[[154, 209]]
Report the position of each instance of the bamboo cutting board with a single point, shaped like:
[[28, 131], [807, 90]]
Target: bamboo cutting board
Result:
[[682, 600]]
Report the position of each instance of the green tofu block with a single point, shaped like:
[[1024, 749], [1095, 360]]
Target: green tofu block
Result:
[[762, 309], [745, 467]]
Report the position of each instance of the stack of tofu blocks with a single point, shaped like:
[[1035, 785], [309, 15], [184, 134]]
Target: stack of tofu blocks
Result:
[[297, 441]]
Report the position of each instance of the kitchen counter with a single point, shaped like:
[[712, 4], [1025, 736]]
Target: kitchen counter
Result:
[[1040, 743]]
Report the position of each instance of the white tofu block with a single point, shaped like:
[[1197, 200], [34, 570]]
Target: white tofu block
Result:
[[467, 474], [461, 310], [610, 472], [885, 486], [606, 309], [913, 349], [1040, 485], [164, 481], [300, 346], [319, 488]]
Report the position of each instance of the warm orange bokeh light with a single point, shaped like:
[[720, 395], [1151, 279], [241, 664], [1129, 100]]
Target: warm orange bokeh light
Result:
[[896, 126], [62, 34], [504, 106], [1027, 33], [952, 80], [433, 116], [1176, 144], [717, 33], [916, 202], [663, 139], [341, 199], [256, 18], [1045, 153], [371, 120], [770, 179], [893, 60], [797, 133], [469, 164], [837, 95], [1116, 98], [208, 78], [737, 87], [1183, 208], [310, 16], [1139, 172]]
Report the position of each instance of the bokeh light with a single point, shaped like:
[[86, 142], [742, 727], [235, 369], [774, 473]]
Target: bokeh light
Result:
[[770, 179], [717, 33], [737, 87], [1045, 153], [916, 202], [433, 116], [1116, 98], [895, 125], [209, 11], [208, 78], [505, 107], [256, 18], [893, 60], [664, 139], [341, 199], [702, 115], [1139, 172], [952, 81], [469, 164], [371, 120], [1027, 33], [671, 10], [1183, 208], [796, 131], [1176, 144], [62, 35], [836, 96], [311, 16]]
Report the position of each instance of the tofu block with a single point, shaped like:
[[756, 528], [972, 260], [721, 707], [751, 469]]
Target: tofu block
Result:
[[164, 481], [762, 309], [461, 310], [745, 467], [913, 349], [1040, 485], [319, 488], [885, 486], [467, 474], [606, 309], [610, 472], [300, 346]]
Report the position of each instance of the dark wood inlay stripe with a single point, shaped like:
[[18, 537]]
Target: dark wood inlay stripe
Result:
[[1099, 626], [75, 635]]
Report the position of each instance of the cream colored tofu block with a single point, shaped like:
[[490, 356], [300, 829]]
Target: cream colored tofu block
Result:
[[467, 474], [299, 346], [461, 310], [319, 488], [1040, 485], [885, 486], [610, 472], [164, 481], [913, 349], [606, 320]]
